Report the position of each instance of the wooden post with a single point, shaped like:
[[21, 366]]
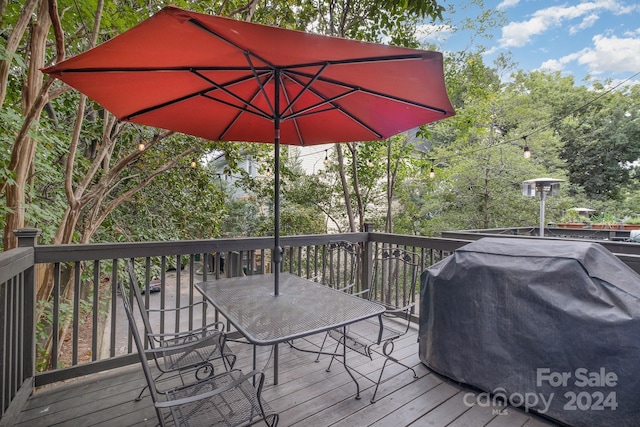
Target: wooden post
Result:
[[367, 260], [27, 237]]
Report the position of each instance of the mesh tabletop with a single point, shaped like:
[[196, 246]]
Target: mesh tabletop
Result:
[[302, 307]]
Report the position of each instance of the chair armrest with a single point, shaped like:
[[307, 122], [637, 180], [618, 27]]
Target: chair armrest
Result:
[[362, 292], [232, 385], [184, 345], [400, 310], [170, 309], [346, 288], [212, 327]]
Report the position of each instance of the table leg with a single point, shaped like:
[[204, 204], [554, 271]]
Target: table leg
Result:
[[275, 365], [344, 361], [254, 363]]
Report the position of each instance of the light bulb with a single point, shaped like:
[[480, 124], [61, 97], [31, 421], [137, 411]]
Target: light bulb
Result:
[[527, 153], [141, 146]]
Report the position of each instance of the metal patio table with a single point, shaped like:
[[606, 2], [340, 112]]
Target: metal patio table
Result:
[[302, 308]]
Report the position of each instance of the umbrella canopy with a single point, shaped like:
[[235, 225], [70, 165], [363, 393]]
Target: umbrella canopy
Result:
[[228, 80]]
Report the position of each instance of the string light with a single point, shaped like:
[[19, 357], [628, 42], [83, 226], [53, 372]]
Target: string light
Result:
[[527, 152], [193, 163], [432, 173], [268, 172], [141, 146], [549, 124], [326, 158]]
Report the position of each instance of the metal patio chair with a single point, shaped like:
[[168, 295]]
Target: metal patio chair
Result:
[[230, 398], [341, 266], [341, 270], [395, 274], [198, 352]]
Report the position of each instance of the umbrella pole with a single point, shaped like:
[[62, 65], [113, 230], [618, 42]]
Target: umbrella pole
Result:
[[277, 256]]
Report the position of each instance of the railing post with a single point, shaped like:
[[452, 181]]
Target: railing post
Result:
[[27, 237], [367, 259]]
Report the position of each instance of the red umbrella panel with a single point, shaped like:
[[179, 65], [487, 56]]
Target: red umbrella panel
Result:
[[227, 80]]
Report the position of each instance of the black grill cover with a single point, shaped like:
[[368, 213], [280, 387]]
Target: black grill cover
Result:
[[525, 318]]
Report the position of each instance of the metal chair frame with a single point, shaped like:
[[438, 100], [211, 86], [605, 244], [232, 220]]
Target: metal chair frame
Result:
[[341, 271], [193, 352], [229, 398], [396, 272]]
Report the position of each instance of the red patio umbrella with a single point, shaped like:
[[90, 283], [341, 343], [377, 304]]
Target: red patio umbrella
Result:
[[228, 80]]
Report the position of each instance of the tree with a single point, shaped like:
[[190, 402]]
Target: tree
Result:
[[602, 143]]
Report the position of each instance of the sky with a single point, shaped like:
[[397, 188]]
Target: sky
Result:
[[599, 38]]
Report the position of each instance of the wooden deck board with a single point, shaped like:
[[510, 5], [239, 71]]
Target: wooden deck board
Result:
[[305, 395]]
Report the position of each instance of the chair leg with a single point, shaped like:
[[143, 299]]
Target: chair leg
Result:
[[392, 359], [139, 398], [334, 355], [344, 363], [322, 346]]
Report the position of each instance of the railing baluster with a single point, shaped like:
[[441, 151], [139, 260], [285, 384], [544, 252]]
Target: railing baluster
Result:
[[96, 310], [76, 313], [176, 326], [13, 322], [56, 316], [114, 300], [163, 294], [192, 268]]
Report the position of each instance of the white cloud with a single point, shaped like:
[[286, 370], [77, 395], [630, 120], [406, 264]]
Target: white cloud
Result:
[[634, 33], [552, 65], [505, 4], [587, 22], [518, 34], [612, 54], [607, 55]]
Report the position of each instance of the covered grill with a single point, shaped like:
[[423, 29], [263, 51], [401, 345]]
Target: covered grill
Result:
[[552, 326]]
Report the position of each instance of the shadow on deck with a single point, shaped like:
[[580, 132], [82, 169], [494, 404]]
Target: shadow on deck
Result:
[[306, 395]]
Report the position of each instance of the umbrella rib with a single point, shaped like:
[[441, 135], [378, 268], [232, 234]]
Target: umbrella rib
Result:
[[143, 111], [306, 87], [203, 93], [248, 105], [240, 111], [306, 111], [290, 107], [386, 58], [260, 84], [247, 53], [331, 102], [372, 92]]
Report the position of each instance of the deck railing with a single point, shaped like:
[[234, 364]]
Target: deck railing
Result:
[[82, 329]]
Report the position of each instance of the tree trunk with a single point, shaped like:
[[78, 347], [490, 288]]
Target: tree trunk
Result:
[[24, 148], [345, 188], [356, 183], [12, 44]]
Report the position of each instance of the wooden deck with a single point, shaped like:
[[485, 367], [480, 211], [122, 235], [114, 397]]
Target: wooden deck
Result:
[[306, 395]]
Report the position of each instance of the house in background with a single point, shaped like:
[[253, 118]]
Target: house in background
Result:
[[312, 160]]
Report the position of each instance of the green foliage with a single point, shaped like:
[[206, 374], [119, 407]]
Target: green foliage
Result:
[[601, 142], [592, 140]]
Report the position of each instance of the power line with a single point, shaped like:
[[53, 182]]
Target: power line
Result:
[[545, 127]]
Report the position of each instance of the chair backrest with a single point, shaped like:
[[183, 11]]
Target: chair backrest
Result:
[[139, 300], [395, 274], [341, 267], [133, 327]]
